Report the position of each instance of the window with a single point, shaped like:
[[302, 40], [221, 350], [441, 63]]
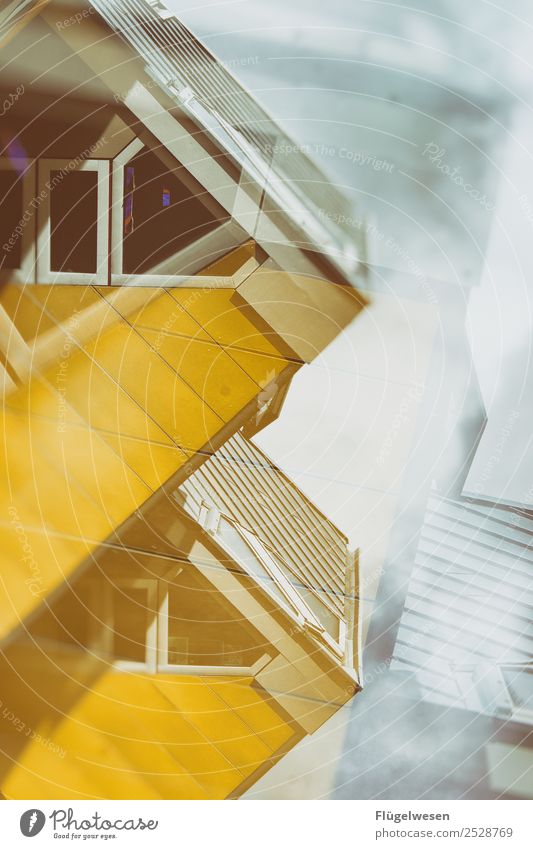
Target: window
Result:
[[72, 210], [519, 682], [503, 690], [130, 622], [204, 629], [17, 221], [12, 212], [161, 216], [160, 228], [175, 624], [179, 623], [234, 541], [302, 603], [73, 221], [328, 619]]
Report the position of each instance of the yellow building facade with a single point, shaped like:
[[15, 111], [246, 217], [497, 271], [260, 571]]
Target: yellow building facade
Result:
[[144, 653]]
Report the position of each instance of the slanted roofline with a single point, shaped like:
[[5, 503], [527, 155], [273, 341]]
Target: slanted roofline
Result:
[[299, 206], [207, 90]]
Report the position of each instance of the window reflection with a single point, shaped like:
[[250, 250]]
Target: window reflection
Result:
[[204, 629]]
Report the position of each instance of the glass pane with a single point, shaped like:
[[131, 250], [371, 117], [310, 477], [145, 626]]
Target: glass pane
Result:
[[12, 212], [205, 629], [520, 685], [324, 615], [130, 615], [73, 221], [161, 216], [229, 532], [232, 540]]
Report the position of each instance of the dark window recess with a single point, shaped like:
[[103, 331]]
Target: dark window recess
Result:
[[161, 215], [11, 213], [130, 613], [73, 221], [204, 629]]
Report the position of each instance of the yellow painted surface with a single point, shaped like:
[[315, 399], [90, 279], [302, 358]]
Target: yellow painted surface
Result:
[[214, 310], [124, 385], [74, 728], [229, 264], [27, 315], [208, 369], [261, 367], [166, 316], [153, 385]]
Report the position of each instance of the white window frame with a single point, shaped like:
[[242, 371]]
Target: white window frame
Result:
[[518, 713], [311, 620], [203, 251], [27, 171], [150, 662], [483, 689], [44, 271], [156, 660], [295, 605]]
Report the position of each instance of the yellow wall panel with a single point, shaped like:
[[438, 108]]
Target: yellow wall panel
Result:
[[92, 434], [32, 565], [111, 734], [128, 300], [39, 490], [156, 732], [224, 322], [209, 714], [152, 460], [123, 739], [86, 441], [77, 455], [208, 370], [101, 401], [103, 767], [27, 316], [41, 774], [153, 463], [63, 303], [84, 458], [155, 386], [254, 711], [39, 398], [166, 315], [261, 367], [232, 262]]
